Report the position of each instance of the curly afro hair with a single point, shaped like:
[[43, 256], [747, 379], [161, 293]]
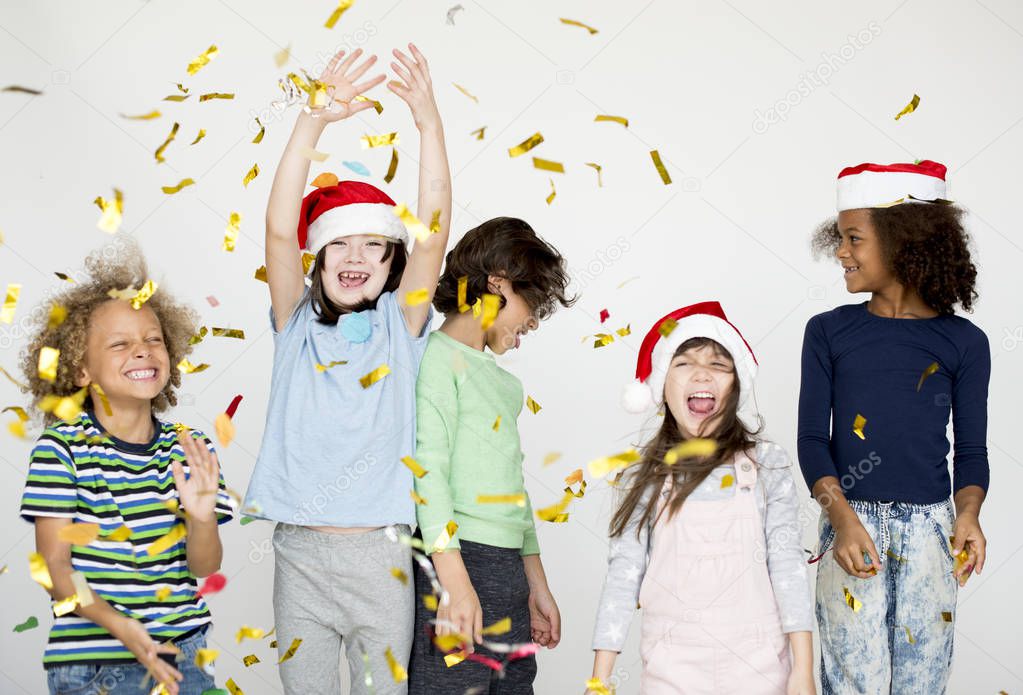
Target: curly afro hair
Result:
[[925, 247], [116, 266]]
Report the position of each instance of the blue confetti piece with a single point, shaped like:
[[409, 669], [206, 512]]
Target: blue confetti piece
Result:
[[358, 167]]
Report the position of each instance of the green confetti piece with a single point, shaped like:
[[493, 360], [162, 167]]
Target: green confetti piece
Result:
[[28, 624], [245, 520]]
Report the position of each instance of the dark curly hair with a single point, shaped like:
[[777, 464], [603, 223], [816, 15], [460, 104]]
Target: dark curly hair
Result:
[[926, 248], [507, 247]]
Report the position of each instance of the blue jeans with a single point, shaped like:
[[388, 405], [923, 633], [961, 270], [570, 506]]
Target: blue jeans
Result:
[[899, 641], [130, 679]]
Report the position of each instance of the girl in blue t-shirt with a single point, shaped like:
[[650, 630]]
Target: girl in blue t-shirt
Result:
[[341, 415]]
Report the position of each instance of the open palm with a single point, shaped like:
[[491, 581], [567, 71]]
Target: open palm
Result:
[[198, 492], [340, 78]]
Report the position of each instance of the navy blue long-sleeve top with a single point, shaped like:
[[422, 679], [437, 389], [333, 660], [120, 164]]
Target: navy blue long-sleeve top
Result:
[[856, 363]]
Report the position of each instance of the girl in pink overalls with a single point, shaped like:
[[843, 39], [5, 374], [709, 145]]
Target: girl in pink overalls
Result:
[[708, 544]]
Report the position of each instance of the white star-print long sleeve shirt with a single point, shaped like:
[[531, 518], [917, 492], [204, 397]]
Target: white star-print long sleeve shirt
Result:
[[778, 503]]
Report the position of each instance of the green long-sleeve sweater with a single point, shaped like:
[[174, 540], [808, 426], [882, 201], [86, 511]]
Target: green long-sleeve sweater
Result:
[[460, 394]]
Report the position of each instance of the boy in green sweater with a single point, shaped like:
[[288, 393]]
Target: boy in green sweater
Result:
[[468, 442]]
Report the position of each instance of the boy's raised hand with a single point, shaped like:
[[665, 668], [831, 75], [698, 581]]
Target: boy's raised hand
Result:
[[340, 77], [415, 87], [197, 492]]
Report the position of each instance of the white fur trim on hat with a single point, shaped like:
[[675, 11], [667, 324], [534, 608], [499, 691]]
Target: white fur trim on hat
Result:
[[870, 189], [354, 219]]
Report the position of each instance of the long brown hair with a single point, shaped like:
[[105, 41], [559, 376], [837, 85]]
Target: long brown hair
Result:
[[650, 473], [328, 311]]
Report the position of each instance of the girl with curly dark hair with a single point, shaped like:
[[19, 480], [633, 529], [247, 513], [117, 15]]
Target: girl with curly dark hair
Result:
[[880, 380]]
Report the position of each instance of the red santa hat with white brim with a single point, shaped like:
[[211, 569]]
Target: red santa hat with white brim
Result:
[[703, 320], [345, 209], [884, 185]]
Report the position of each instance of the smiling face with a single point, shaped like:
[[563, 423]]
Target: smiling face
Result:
[[514, 320], [125, 353], [698, 384], [860, 253], [354, 269]]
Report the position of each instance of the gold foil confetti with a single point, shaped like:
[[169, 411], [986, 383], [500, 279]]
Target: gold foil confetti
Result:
[[602, 339], [17, 428], [136, 297], [659, 165], [233, 688], [392, 167], [280, 58], [909, 108], [374, 376], [518, 500], [260, 273], [253, 173], [413, 466], [598, 168], [13, 380], [553, 194], [909, 635], [417, 297], [690, 448], [120, 534], [307, 262], [377, 106], [892, 555], [186, 367], [465, 91], [479, 132], [262, 131], [430, 601], [463, 290], [727, 480], [556, 512], [142, 117], [598, 687], [526, 145], [600, 467], [48, 359], [497, 424], [946, 616], [417, 498], [64, 276], [65, 605], [246, 632], [325, 179], [236, 333], [548, 165], [321, 368], [397, 670], [10, 302], [499, 628], [551, 458], [21, 90], [250, 659], [399, 575], [312, 155], [171, 190], [666, 327], [167, 540], [532, 405], [931, 369], [215, 95], [445, 536], [163, 593], [198, 337], [338, 11], [491, 305], [574, 23], [851, 600], [204, 657], [858, 424], [173, 134], [78, 534], [67, 408], [39, 571], [198, 136], [454, 659], [290, 651], [234, 224], [411, 222], [625, 331], [435, 222], [20, 412], [202, 60], [613, 119], [369, 141]]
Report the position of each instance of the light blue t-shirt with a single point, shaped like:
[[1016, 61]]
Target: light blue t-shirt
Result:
[[332, 450]]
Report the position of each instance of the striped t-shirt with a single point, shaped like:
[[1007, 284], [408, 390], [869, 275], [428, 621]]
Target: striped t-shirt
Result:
[[81, 473]]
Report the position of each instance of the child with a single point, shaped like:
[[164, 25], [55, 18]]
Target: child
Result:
[[341, 414], [707, 544], [468, 442], [107, 461], [879, 381]]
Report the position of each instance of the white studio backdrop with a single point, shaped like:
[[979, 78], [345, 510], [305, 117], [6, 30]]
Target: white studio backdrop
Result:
[[754, 107]]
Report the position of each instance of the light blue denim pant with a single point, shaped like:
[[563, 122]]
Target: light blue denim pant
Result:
[[899, 641], [130, 679]]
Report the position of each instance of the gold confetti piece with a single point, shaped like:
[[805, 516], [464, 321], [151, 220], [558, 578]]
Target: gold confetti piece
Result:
[[176, 97], [377, 106], [143, 117], [690, 448], [411, 222], [250, 659], [465, 91], [553, 194], [215, 95], [556, 512], [548, 165], [234, 224], [397, 670], [259, 136], [204, 657], [497, 424], [518, 500], [10, 302], [614, 119], [199, 136], [78, 534], [321, 368], [17, 410], [625, 331], [260, 273], [290, 651], [526, 145], [909, 635], [173, 134], [931, 369], [20, 89], [17, 428], [499, 628], [48, 359], [110, 220], [600, 467], [369, 141], [253, 173], [430, 601], [417, 498], [202, 59], [417, 297], [532, 405], [66, 408], [236, 333], [65, 605], [597, 686], [39, 571], [233, 688], [727, 480], [946, 616], [224, 428], [435, 222], [307, 262], [121, 533], [325, 179], [574, 23], [136, 297], [602, 340], [246, 632], [479, 132], [909, 108], [57, 316], [312, 155], [491, 305], [858, 424], [392, 168], [892, 555], [167, 540], [551, 458], [188, 368], [163, 592], [399, 575], [170, 190], [463, 291], [280, 58], [454, 659], [198, 337], [852, 601], [598, 168], [659, 165], [64, 276], [413, 466], [338, 11], [445, 536], [666, 327], [13, 380], [374, 376]]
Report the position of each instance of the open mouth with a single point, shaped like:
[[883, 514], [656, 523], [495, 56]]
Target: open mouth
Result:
[[702, 403], [352, 279], [851, 269], [141, 374]]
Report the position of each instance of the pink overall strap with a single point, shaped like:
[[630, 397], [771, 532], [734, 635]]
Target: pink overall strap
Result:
[[745, 471]]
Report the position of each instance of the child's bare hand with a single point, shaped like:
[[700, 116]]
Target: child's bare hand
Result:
[[340, 77], [852, 542], [415, 87], [970, 538], [198, 493], [464, 611], [544, 619], [136, 639]]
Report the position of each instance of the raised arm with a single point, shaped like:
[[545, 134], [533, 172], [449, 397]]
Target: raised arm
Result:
[[423, 268], [283, 256]]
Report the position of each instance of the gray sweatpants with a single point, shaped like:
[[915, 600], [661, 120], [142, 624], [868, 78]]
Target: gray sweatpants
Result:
[[333, 587]]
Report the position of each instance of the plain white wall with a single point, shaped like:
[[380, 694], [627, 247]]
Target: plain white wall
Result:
[[754, 108]]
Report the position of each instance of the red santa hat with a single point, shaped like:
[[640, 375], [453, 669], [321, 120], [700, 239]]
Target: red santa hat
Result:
[[703, 320], [883, 185], [346, 209]]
